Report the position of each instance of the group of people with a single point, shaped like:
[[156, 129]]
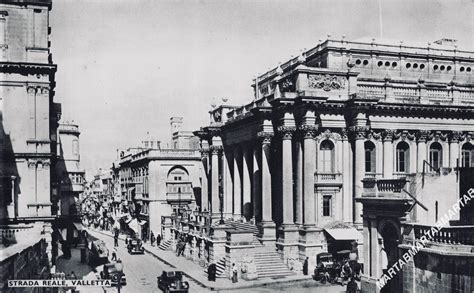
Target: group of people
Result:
[[153, 239], [212, 272]]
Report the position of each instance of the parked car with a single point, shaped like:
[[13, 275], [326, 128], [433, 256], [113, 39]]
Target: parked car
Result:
[[134, 246], [99, 252], [172, 281], [110, 272]]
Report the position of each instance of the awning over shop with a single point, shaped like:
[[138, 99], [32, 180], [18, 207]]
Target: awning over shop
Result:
[[134, 225], [344, 233]]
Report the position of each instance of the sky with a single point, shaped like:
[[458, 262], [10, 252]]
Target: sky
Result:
[[126, 67]]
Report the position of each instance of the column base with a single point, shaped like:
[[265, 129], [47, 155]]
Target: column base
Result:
[[287, 243], [267, 233], [312, 242]]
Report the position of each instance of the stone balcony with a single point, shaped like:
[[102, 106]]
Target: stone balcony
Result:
[[328, 179], [380, 188], [457, 240]]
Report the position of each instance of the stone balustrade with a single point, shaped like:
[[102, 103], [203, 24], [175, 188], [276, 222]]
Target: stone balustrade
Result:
[[456, 235], [383, 187]]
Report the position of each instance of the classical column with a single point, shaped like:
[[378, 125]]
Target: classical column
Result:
[[256, 186], [204, 180], [237, 185], [388, 154], [375, 250], [309, 168], [246, 183], [215, 150], [299, 181], [228, 188], [421, 156], [347, 178], [454, 149], [266, 178], [359, 136], [287, 174]]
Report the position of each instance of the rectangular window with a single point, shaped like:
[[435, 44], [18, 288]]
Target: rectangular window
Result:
[[327, 205], [326, 158]]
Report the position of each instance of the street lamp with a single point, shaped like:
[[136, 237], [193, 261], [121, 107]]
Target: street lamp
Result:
[[119, 274]]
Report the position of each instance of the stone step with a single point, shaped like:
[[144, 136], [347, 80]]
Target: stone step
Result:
[[165, 245]]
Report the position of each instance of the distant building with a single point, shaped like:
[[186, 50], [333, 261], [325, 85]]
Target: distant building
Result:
[[158, 182]]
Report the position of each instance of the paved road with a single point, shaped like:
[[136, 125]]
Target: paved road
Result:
[[141, 272]]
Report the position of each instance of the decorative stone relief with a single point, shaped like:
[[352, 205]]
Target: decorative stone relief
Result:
[[286, 131], [374, 135], [422, 135], [388, 134], [326, 82], [456, 136], [404, 135], [438, 135], [309, 131], [287, 85], [266, 137]]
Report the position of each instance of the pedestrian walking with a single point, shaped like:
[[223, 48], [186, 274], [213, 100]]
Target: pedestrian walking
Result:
[[116, 240], [211, 272], [152, 238], [114, 254], [305, 266], [234, 273], [158, 240]]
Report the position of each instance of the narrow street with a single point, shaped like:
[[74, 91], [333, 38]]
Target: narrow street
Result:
[[142, 270]]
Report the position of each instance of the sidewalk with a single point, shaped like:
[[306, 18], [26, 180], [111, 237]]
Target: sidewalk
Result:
[[197, 273]]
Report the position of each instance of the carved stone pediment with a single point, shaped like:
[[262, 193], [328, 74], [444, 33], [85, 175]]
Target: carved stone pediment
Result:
[[326, 82]]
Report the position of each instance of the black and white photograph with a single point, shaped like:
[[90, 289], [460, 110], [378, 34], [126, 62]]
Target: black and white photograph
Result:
[[237, 146]]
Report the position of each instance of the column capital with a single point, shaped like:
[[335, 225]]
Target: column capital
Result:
[[455, 136], [388, 134], [344, 134], [286, 131], [215, 149], [438, 135], [204, 153], [359, 132], [422, 135], [308, 131], [404, 135], [265, 137]]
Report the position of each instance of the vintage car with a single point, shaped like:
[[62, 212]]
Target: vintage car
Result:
[[134, 246], [111, 273], [98, 252], [172, 281], [325, 268]]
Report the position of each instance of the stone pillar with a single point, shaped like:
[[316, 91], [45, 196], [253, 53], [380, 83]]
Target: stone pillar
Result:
[[347, 178], [309, 168], [299, 183], [204, 180], [228, 188], [454, 149], [256, 184], [375, 250], [359, 175], [247, 184], [287, 174], [388, 154], [12, 208], [268, 226], [237, 186], [215, 150], [421, 156]]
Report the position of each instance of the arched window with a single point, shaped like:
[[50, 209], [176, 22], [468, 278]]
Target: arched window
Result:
[[327, 156], [467, 155], [436, 155], [403, 157], [369, 157]]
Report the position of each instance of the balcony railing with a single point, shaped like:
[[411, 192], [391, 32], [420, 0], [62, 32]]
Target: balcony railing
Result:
[[384, 187], [328, 178], [457, 235]]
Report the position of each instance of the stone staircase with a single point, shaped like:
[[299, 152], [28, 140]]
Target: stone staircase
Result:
[[221, 272], [267, 260], [270, 265], [165, 245]]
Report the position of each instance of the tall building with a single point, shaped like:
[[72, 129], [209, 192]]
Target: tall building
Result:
[[28, 126], [345, 125]]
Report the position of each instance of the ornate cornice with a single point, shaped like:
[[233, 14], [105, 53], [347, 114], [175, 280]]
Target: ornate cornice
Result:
[[27, 68], [286, 131], [266, 137]]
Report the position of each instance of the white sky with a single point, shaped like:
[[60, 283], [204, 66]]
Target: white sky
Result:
[[126, 67]]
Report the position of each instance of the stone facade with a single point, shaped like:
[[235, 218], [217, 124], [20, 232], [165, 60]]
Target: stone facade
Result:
[[29, 116], [327, 124]]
